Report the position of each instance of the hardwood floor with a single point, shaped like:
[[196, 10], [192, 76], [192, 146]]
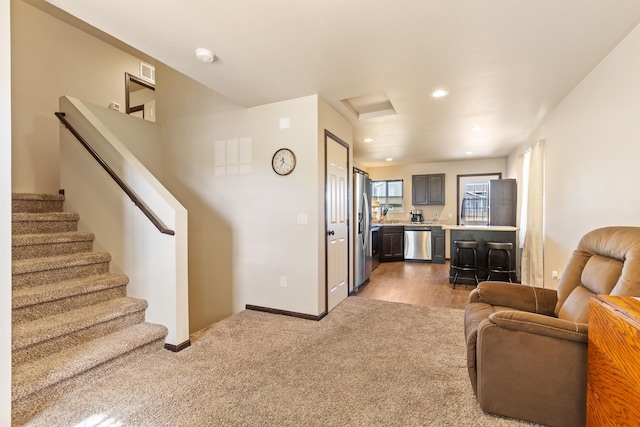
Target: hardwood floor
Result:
[[415, 283]]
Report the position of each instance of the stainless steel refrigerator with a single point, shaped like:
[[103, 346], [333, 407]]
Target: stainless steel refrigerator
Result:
[[362, 224]]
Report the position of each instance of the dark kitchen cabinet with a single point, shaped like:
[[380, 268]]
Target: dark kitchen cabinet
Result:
[[502, 202], [419, 189], [375, 247], [391, 243], [427, 189], [438, 244]]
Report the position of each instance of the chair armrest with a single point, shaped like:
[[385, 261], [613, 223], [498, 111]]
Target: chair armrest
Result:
[[532, 367], [541, 325], [520, 297]]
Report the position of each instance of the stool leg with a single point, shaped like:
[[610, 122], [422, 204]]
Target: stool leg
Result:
[[455, 267], [475, 265]]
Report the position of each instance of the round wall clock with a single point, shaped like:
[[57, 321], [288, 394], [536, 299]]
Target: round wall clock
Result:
[[283, 161]]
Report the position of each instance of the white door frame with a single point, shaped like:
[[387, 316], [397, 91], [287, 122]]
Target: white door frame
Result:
[[328, 135]]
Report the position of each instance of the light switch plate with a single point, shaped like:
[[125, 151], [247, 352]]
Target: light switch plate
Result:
[[303, 218]]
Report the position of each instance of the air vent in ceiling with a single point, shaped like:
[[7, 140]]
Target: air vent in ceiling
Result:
[[148, 72], [369, 106]]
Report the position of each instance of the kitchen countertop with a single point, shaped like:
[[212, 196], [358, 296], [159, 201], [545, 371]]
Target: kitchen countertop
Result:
[[406, 224], [449, 226], [481, 227]]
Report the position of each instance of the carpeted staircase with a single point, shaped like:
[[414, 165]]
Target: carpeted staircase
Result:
[[72, 320]]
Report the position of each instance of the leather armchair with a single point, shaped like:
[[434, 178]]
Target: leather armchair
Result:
[[527, 346]]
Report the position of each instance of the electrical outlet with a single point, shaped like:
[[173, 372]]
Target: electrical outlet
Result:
[[436, 216], [283, 281], [555, 275]]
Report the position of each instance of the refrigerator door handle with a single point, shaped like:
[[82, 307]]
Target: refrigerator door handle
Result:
[[366, 232]]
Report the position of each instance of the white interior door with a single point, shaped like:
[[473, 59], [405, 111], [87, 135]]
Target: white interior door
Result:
[[337, 222]]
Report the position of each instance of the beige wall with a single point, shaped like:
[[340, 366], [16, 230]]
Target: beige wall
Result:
[[49, 59], [196, 117], [591, 155], [243, 230], [139, 136], [5, 215], [275, 245], [446, 213]]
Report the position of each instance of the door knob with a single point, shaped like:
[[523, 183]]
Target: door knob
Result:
[[331, 233]]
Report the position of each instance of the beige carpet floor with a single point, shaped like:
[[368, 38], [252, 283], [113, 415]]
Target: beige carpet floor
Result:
[[368, 363]]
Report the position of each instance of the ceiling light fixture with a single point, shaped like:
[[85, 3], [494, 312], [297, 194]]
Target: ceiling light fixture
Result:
[[368, 140], [476, 128], [439, 93], [205, 55], [468, 153], [389, 159]]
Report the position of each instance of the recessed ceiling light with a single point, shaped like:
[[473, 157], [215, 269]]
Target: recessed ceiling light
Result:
[[204, 55], [439, 93], [389, 159], [368, 140], [469, 153], [476, 128]]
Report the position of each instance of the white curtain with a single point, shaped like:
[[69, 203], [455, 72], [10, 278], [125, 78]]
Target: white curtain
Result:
[[532, 269]]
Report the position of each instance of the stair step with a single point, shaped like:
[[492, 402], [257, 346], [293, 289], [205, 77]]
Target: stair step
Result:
[[48, 335], [46, 270], [39, 301], [54, 244], [72, 322], [29, 202], [87, 359], [47, 222]]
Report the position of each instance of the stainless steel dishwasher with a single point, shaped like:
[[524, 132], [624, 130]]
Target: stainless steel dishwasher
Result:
[[417, 243]]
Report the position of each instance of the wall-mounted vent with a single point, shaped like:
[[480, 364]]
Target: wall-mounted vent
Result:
[[148, 72]]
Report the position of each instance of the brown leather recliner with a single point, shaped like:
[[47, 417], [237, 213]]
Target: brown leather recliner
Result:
[[527, 347]]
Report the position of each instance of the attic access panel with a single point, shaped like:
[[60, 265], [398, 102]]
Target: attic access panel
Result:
[[369, 106]]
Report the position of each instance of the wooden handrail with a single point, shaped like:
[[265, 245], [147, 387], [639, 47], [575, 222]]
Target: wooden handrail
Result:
[[133, 196]]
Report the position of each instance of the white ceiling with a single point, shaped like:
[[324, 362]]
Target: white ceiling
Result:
[[506, 63]]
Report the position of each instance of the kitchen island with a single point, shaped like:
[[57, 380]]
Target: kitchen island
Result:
[[482, 234]]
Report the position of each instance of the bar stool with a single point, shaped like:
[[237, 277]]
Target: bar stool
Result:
[[468, 249], [497, 253]]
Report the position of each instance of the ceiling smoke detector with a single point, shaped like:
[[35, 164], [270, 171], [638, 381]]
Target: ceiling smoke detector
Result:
[[205, 55]]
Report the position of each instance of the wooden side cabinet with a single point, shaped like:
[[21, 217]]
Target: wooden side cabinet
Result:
[[392, 243], [613, 378], [427, 189]]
